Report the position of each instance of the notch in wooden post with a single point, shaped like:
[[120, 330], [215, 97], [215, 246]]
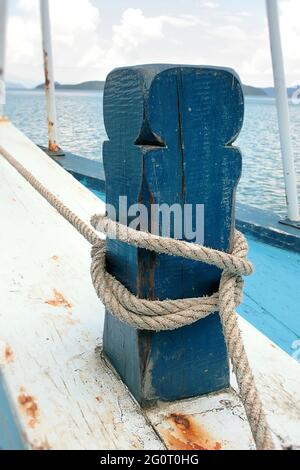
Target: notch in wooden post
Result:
[[170, 131]]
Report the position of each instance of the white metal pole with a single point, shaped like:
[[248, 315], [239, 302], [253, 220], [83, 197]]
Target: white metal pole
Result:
[[3, 21], [49, 76], [283, 111]]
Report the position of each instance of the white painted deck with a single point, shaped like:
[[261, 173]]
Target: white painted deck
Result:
[[63, 391]]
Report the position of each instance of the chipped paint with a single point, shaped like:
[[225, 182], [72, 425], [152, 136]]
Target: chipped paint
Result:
[[184, 433], [6, 353], [29, 407], [43, 445], [52, 145], [59, 300], [46, 70]]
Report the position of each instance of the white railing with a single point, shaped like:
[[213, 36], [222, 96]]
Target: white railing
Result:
[[3, 22], [287, 155]]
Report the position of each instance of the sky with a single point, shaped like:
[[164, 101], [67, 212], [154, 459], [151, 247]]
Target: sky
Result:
[[91, 37]]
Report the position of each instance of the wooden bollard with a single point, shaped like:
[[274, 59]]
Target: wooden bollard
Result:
[[170, 130]]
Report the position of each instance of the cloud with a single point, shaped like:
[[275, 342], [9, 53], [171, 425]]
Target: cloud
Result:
[[135, 28], [75, 27], [79, 51], [86, 49], [258, 64], [230, 32], [138, 38], [212, 5], [290, 14]]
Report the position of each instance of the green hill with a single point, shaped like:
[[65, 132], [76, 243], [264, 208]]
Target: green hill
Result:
[[95, 85], [98, 85], [252, 91]]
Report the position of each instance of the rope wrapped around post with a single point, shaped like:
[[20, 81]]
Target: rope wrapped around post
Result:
[[172, 314]]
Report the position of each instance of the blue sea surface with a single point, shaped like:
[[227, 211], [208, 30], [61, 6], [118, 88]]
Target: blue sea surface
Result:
[[82, 131]]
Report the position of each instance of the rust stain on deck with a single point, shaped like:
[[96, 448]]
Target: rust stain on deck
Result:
[[55, 258], [58, 300], [99, 399], [185, 433], [3, 119], [8, 354], [29, 407]]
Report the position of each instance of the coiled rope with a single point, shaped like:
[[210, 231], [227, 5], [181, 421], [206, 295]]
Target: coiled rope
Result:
[[171, 314]]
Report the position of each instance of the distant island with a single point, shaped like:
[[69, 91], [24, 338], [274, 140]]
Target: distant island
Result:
[[98, 85], [271, 91], [95, 85], [252, 91]]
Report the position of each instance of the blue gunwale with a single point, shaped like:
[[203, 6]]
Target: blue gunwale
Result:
[[261, 224]]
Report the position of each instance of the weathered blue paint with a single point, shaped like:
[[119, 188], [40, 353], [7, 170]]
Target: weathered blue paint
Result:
[[10, 434], [266, 227], [170, 131], [91, 183], [89, 172]]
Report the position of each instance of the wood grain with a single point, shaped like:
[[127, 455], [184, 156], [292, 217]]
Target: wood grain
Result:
[[170, 131]]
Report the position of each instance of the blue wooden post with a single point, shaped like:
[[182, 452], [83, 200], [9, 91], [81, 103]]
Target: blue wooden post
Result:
[[170, 130]]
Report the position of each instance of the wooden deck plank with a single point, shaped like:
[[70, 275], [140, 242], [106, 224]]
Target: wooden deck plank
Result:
[[219, 421], [214, 422], [64, 393], [277, 377]]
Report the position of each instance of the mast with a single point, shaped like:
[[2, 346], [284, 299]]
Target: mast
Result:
[[283, 112], [3, 21]]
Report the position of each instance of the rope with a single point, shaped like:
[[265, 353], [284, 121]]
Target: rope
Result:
[[154, 314], [171, 314]]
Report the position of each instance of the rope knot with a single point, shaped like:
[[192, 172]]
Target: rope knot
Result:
[[165, 314]]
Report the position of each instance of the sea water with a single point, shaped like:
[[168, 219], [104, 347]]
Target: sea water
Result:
[[82, 131]]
